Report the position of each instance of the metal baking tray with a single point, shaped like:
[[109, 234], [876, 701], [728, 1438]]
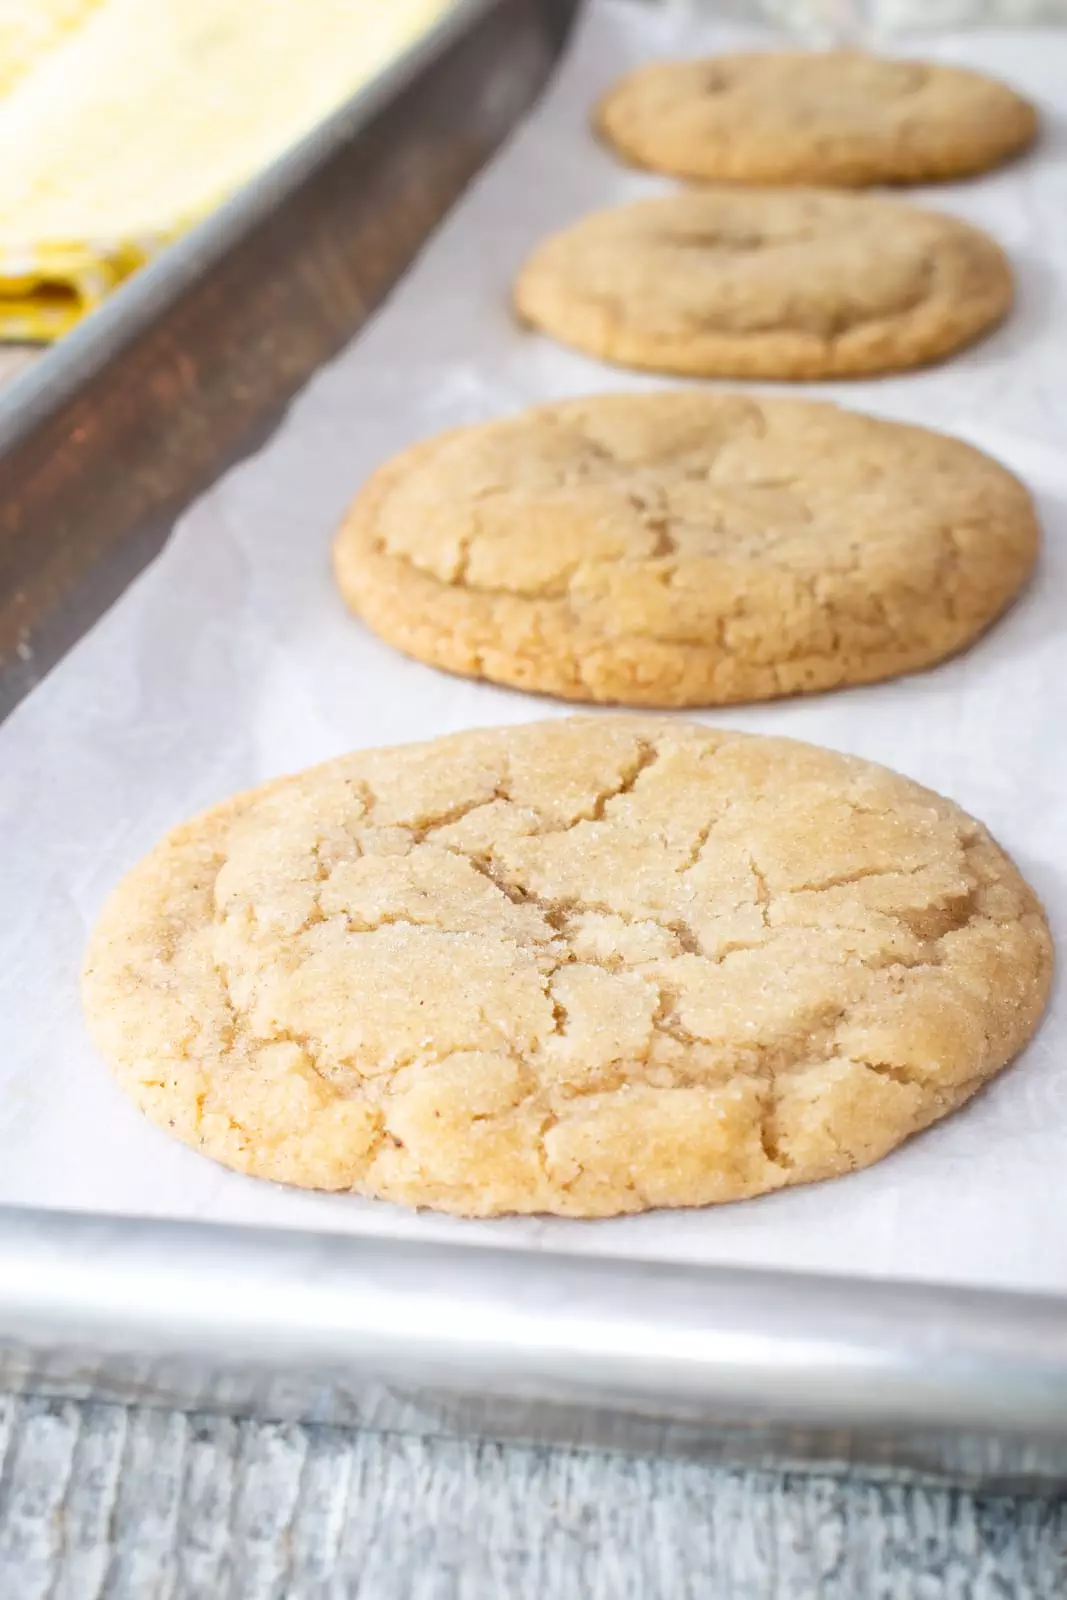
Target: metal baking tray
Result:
[[190, 365], [186, 369]]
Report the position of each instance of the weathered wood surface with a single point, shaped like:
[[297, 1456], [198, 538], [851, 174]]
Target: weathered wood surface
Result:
[[102, 1502]]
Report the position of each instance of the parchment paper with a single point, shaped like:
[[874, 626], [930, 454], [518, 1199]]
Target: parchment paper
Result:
[[232, 659]]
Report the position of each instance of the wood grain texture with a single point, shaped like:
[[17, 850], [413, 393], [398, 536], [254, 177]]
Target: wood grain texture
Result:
[[99, 1503]]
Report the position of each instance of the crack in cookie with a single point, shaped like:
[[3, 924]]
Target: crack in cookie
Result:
[[836, 117], [583, 967], [685, 549], [837, 286]]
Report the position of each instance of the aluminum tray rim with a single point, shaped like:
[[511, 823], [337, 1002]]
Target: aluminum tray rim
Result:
[[674, 1340]]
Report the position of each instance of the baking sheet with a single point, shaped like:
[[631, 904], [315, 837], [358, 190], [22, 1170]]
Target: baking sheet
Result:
[[232, 659]]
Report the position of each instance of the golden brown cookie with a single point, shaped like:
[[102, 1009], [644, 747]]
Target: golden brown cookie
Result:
[[838, 117], [685, 549], [584, 967], [755, 283]]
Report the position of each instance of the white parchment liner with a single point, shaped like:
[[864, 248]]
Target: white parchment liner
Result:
[[232, 659]]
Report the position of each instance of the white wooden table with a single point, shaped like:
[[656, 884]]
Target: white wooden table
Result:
[[139, 1505]]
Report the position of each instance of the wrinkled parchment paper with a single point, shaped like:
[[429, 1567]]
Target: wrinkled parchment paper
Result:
[[232, 659]]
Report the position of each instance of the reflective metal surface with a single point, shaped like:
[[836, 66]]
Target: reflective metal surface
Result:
[[745, 1366]]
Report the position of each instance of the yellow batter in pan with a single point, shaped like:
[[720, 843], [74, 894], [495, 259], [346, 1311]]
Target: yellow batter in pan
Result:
[[123, 121]]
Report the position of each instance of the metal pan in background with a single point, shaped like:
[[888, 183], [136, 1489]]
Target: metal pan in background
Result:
[[101, 445], [190, 364]]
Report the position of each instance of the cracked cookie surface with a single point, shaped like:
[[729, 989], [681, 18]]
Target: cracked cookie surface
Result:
[[754, 283], [685, 548], [584, 967], [838, 117]]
